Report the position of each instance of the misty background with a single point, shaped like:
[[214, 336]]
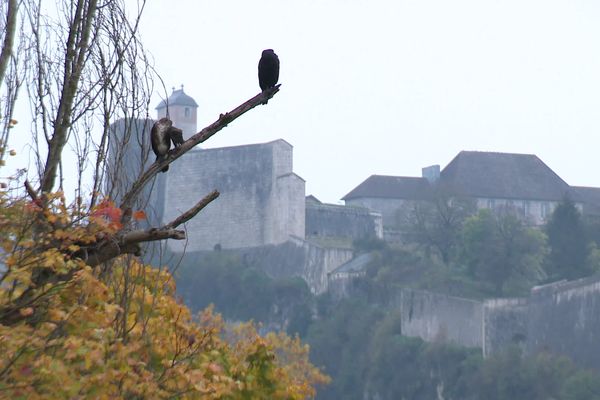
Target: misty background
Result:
[[387, 87]]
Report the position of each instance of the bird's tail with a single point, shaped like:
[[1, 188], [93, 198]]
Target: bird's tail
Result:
[[159, 159]]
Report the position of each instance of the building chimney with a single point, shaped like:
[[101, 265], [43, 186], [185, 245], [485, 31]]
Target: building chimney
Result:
[[431, 173]]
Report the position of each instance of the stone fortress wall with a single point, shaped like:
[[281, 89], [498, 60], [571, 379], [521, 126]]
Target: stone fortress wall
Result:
[[263, 213], [261, 201], [329, 220], [561, 317], [436, 317]]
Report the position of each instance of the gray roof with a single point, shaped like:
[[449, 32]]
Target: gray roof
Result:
[[503, 175], [589, 196], [312, 199], [476, 174], [178, 98], [399, 187], [357, 264]]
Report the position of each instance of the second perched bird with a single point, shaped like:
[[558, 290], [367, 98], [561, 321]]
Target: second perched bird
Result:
[[268, 69], [160, 138], [176, 136]]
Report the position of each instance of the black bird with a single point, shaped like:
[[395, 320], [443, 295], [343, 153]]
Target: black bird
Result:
[[268, 69], [160, 138]]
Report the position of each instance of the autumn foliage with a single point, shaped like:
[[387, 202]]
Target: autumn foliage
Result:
[[68, 330]]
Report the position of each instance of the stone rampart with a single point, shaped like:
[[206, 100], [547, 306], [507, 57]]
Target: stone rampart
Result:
[[437, 317], [329, 220], [261, 201], [297, 257], [565, 318]]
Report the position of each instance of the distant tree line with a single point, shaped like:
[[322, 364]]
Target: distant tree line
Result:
[[363, 350], [498, 249], [453, 249]]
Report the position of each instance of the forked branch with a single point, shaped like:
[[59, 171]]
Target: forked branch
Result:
[[202, 136]]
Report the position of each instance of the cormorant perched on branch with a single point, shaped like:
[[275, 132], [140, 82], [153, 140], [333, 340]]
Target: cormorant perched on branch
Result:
[[176, 135], [268, 69], [160, 137]]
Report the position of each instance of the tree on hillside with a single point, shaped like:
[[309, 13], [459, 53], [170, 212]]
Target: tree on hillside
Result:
[[436, 224], [569, 243], [498, 248], [80, 315]]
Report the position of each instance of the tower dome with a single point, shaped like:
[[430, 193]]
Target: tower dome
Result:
[[181, 109]]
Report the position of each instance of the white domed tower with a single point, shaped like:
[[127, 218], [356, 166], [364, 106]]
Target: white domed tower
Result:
[[182, 110]]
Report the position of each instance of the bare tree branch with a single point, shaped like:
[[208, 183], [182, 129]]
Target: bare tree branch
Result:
[[191, 213], [9, 36], [128, 242], [77, 44], [203, 135]]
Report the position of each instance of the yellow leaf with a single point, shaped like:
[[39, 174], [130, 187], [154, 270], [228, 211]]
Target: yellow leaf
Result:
[[26, 311]]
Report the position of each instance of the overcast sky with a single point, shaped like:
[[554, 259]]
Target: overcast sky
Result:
[[388, 87]]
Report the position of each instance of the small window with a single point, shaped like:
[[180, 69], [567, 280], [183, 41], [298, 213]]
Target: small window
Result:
[[544, 210], [187, 112]]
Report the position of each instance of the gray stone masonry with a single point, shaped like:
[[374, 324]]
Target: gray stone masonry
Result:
[[505, 322], [298, 257], [330, 220], [562, 317], [565, 318], [261, 202], [436, 317]]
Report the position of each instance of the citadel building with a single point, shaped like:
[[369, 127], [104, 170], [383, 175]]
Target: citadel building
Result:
[[264, 214], [263, 203]]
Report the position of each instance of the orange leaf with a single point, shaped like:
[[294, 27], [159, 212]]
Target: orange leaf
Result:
[[139, 215], [108, 209], [26, 311]]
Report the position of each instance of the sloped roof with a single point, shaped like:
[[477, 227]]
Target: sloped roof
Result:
[[178, 98], [312, 199], [503, 175], [399, 187], [357, 264], [589, 196]]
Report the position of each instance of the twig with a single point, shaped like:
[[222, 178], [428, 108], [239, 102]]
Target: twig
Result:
[[31, 191], [128, 242], [189, 214], [203, 135]]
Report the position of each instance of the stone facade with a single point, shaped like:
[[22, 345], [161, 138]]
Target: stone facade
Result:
[[298, 257], [388, 208], [505, 322], [182, 110], [436, 317], [565, 318], [340, 281], [562, 317], [261, 201], [519, 183], [534, 212], [329, 220]]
